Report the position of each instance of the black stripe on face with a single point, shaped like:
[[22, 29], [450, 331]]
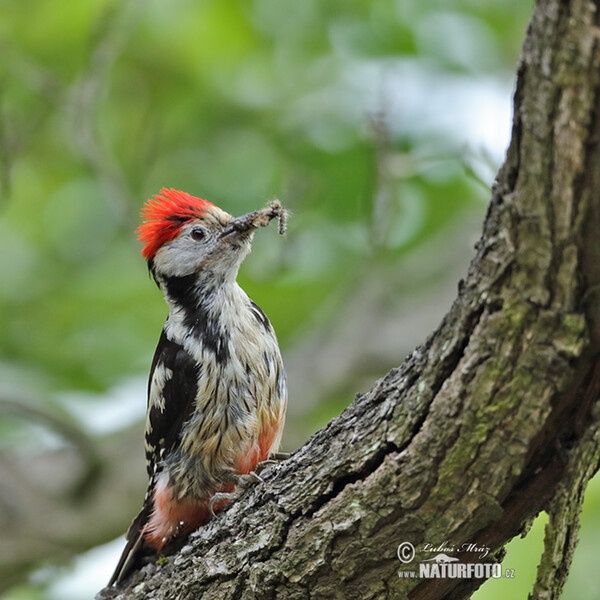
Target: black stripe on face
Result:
[[179, 396], [194, 301]]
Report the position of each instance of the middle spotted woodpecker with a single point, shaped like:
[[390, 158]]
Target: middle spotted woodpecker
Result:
[[217, 389]]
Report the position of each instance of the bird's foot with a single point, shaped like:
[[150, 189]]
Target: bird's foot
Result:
[[279, 456], [275, 459], [220, 497], [241, 483]]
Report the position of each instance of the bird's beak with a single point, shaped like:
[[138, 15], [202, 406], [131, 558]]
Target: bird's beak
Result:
[[239, 225], [254, 220]]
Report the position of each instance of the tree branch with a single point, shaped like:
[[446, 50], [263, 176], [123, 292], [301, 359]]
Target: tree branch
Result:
[[491, 420]]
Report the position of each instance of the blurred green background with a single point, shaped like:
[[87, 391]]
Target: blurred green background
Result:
[[380, 125]]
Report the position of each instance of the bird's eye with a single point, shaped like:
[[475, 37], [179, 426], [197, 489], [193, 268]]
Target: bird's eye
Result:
[[197, 234]]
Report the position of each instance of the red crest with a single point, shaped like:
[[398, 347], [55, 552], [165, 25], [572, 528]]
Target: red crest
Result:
[[163, 217]]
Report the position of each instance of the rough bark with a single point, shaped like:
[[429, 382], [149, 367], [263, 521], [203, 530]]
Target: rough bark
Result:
[[494, 418]]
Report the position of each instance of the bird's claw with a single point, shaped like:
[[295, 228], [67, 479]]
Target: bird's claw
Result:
[[241, 483], [279, 456], [275, 459], [220, 497]]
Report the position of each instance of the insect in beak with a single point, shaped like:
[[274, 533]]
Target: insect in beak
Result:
[[256, 219]]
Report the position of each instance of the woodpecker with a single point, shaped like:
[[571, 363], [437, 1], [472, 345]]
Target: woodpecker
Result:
[[217, 390]]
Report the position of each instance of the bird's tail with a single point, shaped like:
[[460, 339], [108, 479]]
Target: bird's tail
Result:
[[134, 550]]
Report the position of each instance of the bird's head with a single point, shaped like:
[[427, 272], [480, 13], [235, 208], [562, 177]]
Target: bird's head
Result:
[[184, 235]]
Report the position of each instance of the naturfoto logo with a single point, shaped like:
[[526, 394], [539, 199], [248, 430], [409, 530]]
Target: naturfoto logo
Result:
[[443, 565]]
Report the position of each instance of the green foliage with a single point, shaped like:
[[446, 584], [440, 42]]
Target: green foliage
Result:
[[105, 102]]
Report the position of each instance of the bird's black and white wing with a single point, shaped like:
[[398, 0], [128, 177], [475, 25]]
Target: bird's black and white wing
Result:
[[172, 388]]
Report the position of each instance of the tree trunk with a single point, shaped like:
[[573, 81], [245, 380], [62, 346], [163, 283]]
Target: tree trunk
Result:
[[493, 419]]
